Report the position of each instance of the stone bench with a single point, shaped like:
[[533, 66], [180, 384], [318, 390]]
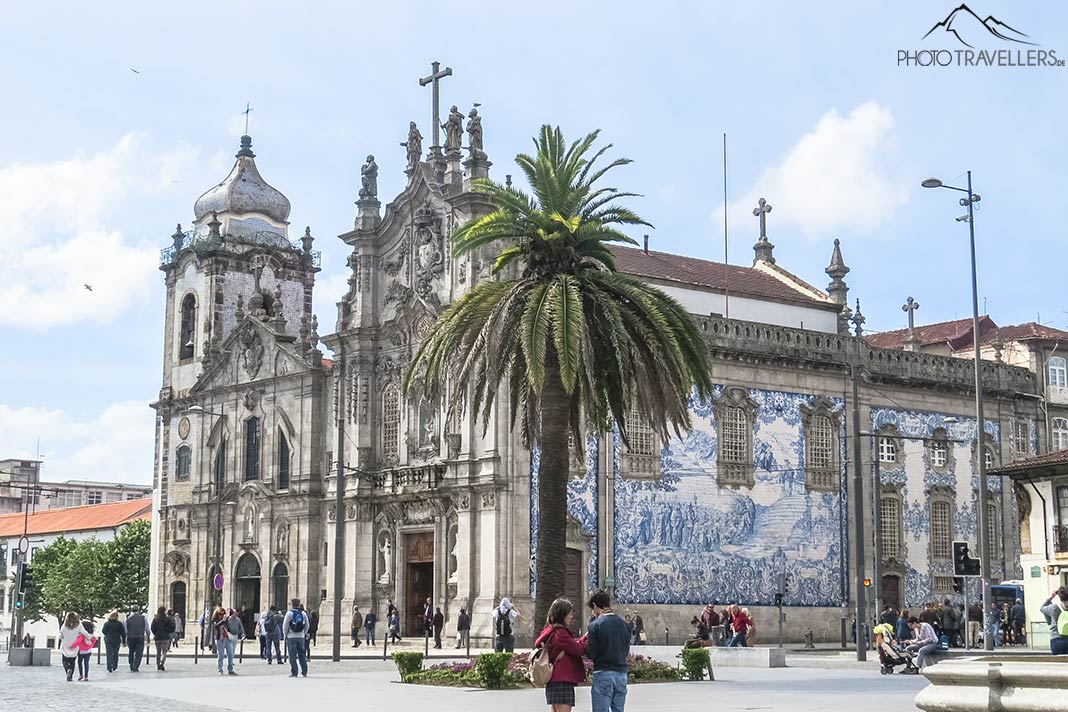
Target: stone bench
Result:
[[970, 686], [25, 657], [748, 657]]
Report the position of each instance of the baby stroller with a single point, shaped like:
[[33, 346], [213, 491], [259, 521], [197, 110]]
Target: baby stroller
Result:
[[891, 656]]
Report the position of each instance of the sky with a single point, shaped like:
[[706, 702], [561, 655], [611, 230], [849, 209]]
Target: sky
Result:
[[121, 114]]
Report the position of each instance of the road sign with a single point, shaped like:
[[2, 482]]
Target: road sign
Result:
[[218, 582], [24, 545]]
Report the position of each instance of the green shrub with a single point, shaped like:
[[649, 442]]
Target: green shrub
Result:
[[695, 661], [492, 668], [408, 663], [644, 669]]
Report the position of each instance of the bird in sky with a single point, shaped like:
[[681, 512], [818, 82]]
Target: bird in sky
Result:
[[88, 288], [134, 70]]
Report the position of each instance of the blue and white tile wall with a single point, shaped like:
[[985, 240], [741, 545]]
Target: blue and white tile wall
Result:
[[683, 539], [582, 501], [914, 476]]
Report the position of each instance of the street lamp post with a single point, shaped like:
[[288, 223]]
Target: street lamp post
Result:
[[980, 429]]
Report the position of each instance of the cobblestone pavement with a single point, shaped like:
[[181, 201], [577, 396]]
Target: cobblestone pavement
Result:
[[371, 684]]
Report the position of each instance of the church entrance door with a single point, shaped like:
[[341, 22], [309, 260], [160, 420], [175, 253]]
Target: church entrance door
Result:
[[891, 592], [247, 574], [418, 580], [573, 585]]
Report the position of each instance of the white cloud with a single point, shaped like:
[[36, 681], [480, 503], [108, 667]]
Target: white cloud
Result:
[[841, 175], [114, 445], [61, 232]]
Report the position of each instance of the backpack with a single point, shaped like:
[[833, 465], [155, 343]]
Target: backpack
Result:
[[1062, 623], [296, 623], [943, 642], [271, 624], [504, 624], [540, 669]]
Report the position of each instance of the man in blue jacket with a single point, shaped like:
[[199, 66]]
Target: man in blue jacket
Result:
[[607, 645]]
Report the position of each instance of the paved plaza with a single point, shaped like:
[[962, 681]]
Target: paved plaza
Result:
[[831, 684]]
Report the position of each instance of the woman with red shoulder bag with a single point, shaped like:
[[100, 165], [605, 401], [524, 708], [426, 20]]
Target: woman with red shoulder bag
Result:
[[565, 652]]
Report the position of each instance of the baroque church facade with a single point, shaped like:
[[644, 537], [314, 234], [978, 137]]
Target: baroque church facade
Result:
[[254, 425]]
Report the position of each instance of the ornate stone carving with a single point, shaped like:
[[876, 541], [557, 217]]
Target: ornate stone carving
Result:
[[252, 351], [385, 557], [419, 512], [414, 146], [393, 266], [454, 129], [369, 179], [430, 250], [252, 398], [331, 513], [350, 512], [462, 503], [248, 532], [489, 500], [281, 539]]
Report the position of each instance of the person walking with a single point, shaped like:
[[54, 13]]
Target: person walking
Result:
[[924, 642], [136, 627], [114, 638], [356, 626], [369, 621], [261, 634], [1018, 616], [313, 628], [428, 617], [504, 617], [439, 623], [272, 627], [750, 635], [463, 629], [162, 628], [740, 624], [293, 628], [565, 653], [69, 634], [179, 629], [950, 621], [1054, 609], [394, 626], [224, 639], [975, 622], [607, 645], [639, 630], [85, 652]]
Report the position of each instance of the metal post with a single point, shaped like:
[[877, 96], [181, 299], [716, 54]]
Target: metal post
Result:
[[665, 635], [877, 490], [385, 644], [858, 523], [426, 642], [780, 622], [967, 633], [339, 505]]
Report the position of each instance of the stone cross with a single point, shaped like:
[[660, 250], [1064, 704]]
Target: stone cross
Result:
[[435, 77], [248, 110], [909, 307], [761, 211]]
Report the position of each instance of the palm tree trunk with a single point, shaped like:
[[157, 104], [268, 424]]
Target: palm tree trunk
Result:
[[550, 566]]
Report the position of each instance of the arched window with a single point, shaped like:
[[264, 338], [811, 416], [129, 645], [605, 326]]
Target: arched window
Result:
[[1059, 435], [220, 466], [182, 457], [941, 530], [280, 586], [1058, 374], [938, 451], [283, 461], [247, 577], [187, 332], [252, 448], [390, 423], [820, 425], [890, 527], [988, 458], [887, 450]]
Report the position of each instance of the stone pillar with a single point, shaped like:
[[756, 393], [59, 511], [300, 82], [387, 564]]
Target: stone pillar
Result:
[[477, 167], [454, 175], [367, 214]]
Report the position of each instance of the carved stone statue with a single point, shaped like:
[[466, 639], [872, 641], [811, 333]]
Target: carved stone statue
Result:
[[454, 129], [474, 134], [385, 549], [250, 525], [414, 144], [283, 538], [369, 179]]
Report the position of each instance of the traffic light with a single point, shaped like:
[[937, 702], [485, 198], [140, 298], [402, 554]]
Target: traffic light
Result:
[[778, 599], [867, 583], [963, 562], [25, 578], [958, 584]]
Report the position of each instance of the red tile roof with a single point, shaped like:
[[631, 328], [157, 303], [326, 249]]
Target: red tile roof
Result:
[[1024, 332], [713, 275], [1035, 464], [77, 519], [945, 331]]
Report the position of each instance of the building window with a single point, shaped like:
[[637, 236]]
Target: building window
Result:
[[187, 334], [1058, 374], [94, 497], [993, 528], [1059, 434], [181, 460], [1021, 439], [887, 450], [735, 415], [939, 453], [1062, 505], [130, 496], [283, 461], [988, 458], [220, 466], [641, 457], [68, 498], [941, 530], [111, 497], [820, 424], [890, 527], [942, 584], [390, 424], [252, 449]]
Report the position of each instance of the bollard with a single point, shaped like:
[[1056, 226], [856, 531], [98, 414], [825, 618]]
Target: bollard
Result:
[[385, 645], [196, 650], [426, 644], [665, 635], [241, 651], [99, 648], [468, 636]]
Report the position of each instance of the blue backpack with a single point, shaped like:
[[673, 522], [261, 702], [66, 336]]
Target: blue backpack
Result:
[[296, 623], [943, 642]]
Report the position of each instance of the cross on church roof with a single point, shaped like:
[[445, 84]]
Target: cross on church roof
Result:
[[435, 77], [761, 211], [909, 307], [246, 112]]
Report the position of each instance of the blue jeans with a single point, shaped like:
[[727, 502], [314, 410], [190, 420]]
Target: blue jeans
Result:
[[738, 641], [224, 647], [1058, 646], [608, 692], [370, 634], [297, 651], [274, 639]]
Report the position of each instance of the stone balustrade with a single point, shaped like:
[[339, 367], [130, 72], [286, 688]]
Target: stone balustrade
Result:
[[975, 686]]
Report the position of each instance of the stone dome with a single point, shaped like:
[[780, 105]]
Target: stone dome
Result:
[[244, 191]]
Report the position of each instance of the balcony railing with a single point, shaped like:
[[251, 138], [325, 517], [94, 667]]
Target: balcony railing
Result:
[[1060, 539], [421, 477]]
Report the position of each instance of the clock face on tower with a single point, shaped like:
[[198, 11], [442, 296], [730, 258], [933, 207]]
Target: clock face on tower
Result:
[[183, 428]]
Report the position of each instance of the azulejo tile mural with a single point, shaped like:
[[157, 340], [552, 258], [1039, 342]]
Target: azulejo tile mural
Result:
[[684, 539]]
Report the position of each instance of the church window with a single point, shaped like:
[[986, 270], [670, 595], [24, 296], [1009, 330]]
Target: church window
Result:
[[220, 466], [941, 530], [942, 584], [890, 527], [181, 460], [641, 456], [390, 423], [1021, 439], [252, 448], [1058, 374], [938, 451], [1059, 439], [988, 458], [283, 461], [887, 450], [820, 424], [735, 413], [993, 528], [187, 332]]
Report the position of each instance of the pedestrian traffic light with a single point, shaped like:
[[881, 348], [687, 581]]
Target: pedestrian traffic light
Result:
[[958, 584], [778, 599], [963, 562], [867, 583]]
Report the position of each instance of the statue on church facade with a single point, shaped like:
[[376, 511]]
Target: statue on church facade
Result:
[[474, 134], [454, 129], [369, 179], [414, 144]]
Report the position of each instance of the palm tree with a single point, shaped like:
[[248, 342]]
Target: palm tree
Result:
[[574, 343]]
